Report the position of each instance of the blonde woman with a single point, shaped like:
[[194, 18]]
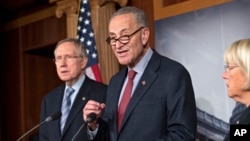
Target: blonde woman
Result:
[[237, 77]]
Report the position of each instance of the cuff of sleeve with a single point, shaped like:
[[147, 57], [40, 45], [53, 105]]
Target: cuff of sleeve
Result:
[[92, 134]]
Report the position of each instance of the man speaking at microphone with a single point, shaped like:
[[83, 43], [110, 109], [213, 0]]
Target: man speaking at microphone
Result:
[[70, 98], [152, 99]]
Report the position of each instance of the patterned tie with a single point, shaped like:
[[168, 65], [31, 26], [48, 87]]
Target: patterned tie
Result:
[[125, 98], [66, 106]]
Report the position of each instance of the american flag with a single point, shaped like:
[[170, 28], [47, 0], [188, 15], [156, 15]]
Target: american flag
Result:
[[86, 35]]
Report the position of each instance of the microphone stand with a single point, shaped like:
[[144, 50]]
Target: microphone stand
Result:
[[53, 116], [78, 131], [91, 117], [31, 130]]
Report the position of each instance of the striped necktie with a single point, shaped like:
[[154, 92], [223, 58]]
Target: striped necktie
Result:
[[66, 105]]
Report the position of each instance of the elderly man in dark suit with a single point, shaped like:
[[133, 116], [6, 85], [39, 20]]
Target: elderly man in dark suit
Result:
[[152, 99], [70, 59]]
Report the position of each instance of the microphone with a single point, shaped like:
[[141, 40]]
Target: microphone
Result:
[[52, 117], [90, 118]]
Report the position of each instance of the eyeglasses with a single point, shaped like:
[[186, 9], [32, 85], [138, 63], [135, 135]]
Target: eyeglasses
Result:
[[67, 58], [229, 68], [123, 39]]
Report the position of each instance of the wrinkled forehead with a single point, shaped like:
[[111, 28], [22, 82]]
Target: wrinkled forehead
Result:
[[66, 48], [121, 24], [122, 21]]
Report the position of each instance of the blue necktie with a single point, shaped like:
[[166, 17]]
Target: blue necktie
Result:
[[66, 105]]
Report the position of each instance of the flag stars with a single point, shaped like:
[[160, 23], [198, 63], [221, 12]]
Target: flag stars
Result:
[[88, 13], [84, 1], [82, 39], [86, 22], [91, 34], [84, 30], [89, 43], [78, 28], [80, 19], [82, 10], [87, 50], [86, 34], [94, 55]]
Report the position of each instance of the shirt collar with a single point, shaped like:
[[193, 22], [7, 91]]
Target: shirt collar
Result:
[[142, 64]]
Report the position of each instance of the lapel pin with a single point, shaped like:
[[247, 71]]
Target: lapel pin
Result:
[[143, 82], [83, 98]]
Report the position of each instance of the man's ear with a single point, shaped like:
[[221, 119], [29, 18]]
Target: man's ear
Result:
[[84, 62], [145, 36]]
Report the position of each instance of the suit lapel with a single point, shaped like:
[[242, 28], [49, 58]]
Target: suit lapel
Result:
[[119, 85], [82, 97], [146, 81], [114, 92], [57, 107]]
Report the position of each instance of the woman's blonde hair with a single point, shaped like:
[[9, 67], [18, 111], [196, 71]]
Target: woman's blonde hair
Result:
[[238, 53]]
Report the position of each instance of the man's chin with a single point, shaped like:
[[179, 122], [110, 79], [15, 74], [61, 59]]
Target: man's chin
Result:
[[123, 62], [65, 79], [230, 95]]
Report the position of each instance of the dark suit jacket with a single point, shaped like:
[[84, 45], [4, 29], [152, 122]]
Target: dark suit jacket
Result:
[[161, 108], [52, 102], [237, 111], [244, 119]]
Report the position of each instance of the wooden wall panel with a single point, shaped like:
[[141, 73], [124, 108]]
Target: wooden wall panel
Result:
[[171, 2], [10, 86], [38, 81], [43, 33], [28, 73], [161, 10]]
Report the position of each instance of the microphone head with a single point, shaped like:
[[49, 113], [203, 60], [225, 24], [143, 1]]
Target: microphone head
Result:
[[91, 117], [53, 116]]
